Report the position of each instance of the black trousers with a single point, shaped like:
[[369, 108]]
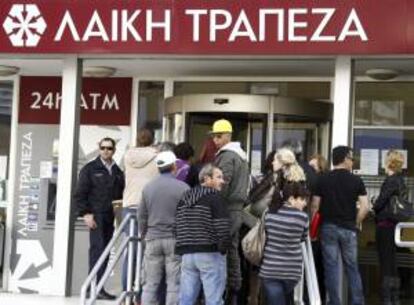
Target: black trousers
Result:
[[387, 251], [99, 239]]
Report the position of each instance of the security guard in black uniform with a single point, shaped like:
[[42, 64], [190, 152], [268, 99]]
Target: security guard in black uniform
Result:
[[100, 182]]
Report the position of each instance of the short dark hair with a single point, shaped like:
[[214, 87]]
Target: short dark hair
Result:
[[108, 139], [183, 151], [340, 153], [166, 169], [295, 189], [145, 137]]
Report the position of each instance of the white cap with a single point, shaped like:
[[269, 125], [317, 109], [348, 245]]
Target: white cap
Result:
[[165, 158]]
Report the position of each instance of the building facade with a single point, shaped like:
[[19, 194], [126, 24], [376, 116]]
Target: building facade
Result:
[[321, 73]]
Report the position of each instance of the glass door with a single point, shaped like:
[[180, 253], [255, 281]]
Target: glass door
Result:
[[249, 131], [304, 135]]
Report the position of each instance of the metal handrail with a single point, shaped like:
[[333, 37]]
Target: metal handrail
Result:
[[90, 282], [397, 235], [309, 272]]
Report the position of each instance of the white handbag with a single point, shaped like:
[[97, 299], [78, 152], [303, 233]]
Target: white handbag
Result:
[[254, 242]]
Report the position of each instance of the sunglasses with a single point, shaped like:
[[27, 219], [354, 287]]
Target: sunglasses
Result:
[[110, 148]]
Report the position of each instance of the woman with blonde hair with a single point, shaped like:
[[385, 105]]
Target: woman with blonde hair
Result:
[[283, 168], [285, 160], [385, 227]]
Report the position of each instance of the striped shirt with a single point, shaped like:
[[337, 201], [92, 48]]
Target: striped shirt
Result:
[[285, 230], [202, 222]]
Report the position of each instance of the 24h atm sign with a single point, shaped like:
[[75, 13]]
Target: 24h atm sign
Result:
[[208, 27]]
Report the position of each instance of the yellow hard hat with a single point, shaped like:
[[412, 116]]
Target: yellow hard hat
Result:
[[222, 126]]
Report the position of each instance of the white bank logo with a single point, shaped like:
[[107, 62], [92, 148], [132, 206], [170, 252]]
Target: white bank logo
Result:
[[24, 25]]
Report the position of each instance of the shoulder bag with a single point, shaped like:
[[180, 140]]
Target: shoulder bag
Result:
[[400, 209], [254, 242]]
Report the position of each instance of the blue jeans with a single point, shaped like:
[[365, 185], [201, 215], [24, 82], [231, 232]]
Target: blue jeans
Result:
[[125, 212], [208, 269], [337, 243], [277, 291]]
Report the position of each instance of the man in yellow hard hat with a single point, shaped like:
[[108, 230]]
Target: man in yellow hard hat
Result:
[[232, 160]]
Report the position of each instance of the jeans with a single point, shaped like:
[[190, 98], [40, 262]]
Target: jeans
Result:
[[207, 269], [234, 278], [277, 291], [339, 242], [159, 257], [125, 212]]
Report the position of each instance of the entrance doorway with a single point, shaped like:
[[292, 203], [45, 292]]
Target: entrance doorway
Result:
[[260, 123]]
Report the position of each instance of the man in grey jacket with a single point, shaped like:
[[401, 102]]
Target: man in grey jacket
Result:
[[160, 198], [232, 160]]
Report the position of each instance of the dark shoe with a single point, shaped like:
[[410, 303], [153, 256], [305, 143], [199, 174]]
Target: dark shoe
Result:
[[395, 290], [231, 297], [103, 295], [386, 290]]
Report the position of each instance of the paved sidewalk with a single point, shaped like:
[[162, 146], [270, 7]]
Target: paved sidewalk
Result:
[[34, 299]]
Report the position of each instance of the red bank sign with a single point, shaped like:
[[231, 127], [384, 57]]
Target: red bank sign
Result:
[[103, 101], [208, 27]]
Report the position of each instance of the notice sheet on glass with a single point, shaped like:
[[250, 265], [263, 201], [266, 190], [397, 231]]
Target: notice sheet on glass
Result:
[[369, 162]]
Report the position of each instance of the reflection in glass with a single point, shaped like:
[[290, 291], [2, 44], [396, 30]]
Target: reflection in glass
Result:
[[384, 104], [150, 107]]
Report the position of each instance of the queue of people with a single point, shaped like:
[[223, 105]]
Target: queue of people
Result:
[[190, 219]]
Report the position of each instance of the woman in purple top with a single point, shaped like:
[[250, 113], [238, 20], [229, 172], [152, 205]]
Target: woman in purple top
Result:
[[385, 227], [186, 172]]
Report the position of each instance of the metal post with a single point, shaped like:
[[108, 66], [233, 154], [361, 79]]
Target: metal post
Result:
[[130, 260], [342, 96], [138, 266]]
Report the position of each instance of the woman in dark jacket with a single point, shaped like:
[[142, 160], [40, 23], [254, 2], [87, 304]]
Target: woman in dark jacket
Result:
[[385, 227]]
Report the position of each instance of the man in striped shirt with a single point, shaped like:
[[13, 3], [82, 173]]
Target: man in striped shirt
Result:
[[203, 238]]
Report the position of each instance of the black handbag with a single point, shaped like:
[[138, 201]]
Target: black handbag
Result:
[[400, 209]]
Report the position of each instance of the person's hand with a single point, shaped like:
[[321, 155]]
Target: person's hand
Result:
[[89, 221]]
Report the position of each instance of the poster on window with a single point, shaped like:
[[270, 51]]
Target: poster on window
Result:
[[384, 153]]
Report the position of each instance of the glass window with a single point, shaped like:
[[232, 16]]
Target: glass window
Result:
[[379, 142], [150, 107], [388, 109], [384, 104]]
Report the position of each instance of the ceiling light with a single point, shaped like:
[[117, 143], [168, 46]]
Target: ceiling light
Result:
[[8, 70], [98, 71], [382, 74]]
